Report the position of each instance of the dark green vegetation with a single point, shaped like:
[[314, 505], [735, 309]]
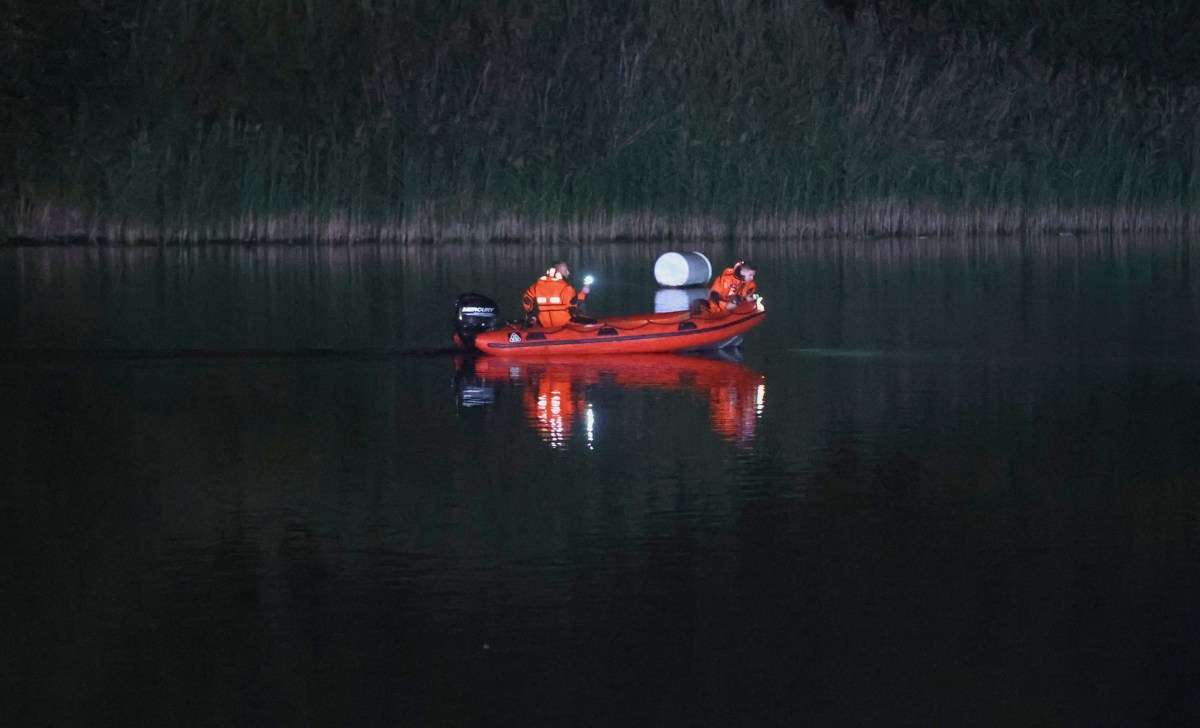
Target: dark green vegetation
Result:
[[285, 119]]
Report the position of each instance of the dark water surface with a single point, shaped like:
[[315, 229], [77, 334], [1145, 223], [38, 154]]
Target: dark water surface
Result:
[[947, 483]]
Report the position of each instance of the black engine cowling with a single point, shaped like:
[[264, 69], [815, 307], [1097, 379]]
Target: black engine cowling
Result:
[[474, 313]]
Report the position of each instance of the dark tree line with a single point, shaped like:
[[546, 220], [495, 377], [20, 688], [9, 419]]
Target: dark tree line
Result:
[[1156, 41]]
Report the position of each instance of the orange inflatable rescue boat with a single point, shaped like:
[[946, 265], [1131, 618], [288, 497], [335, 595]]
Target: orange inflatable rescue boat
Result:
[[478, 327]]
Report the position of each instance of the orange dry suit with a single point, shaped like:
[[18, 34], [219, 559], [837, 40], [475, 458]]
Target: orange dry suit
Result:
[[552, 298], [729, 287]]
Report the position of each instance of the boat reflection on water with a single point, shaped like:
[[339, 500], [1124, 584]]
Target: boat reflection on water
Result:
[[559, 394]]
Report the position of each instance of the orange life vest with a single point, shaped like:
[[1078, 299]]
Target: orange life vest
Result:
[[729, 284], [552, 298]]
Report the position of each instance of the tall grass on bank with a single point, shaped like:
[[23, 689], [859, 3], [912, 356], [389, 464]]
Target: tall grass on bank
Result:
[[281, 120]]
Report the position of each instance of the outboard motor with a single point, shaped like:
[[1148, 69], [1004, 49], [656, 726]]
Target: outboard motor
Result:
[[474, 313]]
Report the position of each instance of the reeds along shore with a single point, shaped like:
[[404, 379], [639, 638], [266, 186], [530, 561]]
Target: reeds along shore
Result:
[[334, 122]]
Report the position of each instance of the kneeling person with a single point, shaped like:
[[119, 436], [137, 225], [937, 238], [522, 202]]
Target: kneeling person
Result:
[[734, 286]]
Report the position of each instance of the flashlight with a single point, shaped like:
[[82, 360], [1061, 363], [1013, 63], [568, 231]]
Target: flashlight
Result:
[[588, 280]]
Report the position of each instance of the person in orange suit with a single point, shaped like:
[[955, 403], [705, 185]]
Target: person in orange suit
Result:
[[551, 301], [734, 286]]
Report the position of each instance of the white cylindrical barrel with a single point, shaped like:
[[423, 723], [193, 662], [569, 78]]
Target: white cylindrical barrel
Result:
[[682, 269]]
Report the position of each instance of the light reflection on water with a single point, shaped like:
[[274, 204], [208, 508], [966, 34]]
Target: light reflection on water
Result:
[[560, 393], [970, 495]]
